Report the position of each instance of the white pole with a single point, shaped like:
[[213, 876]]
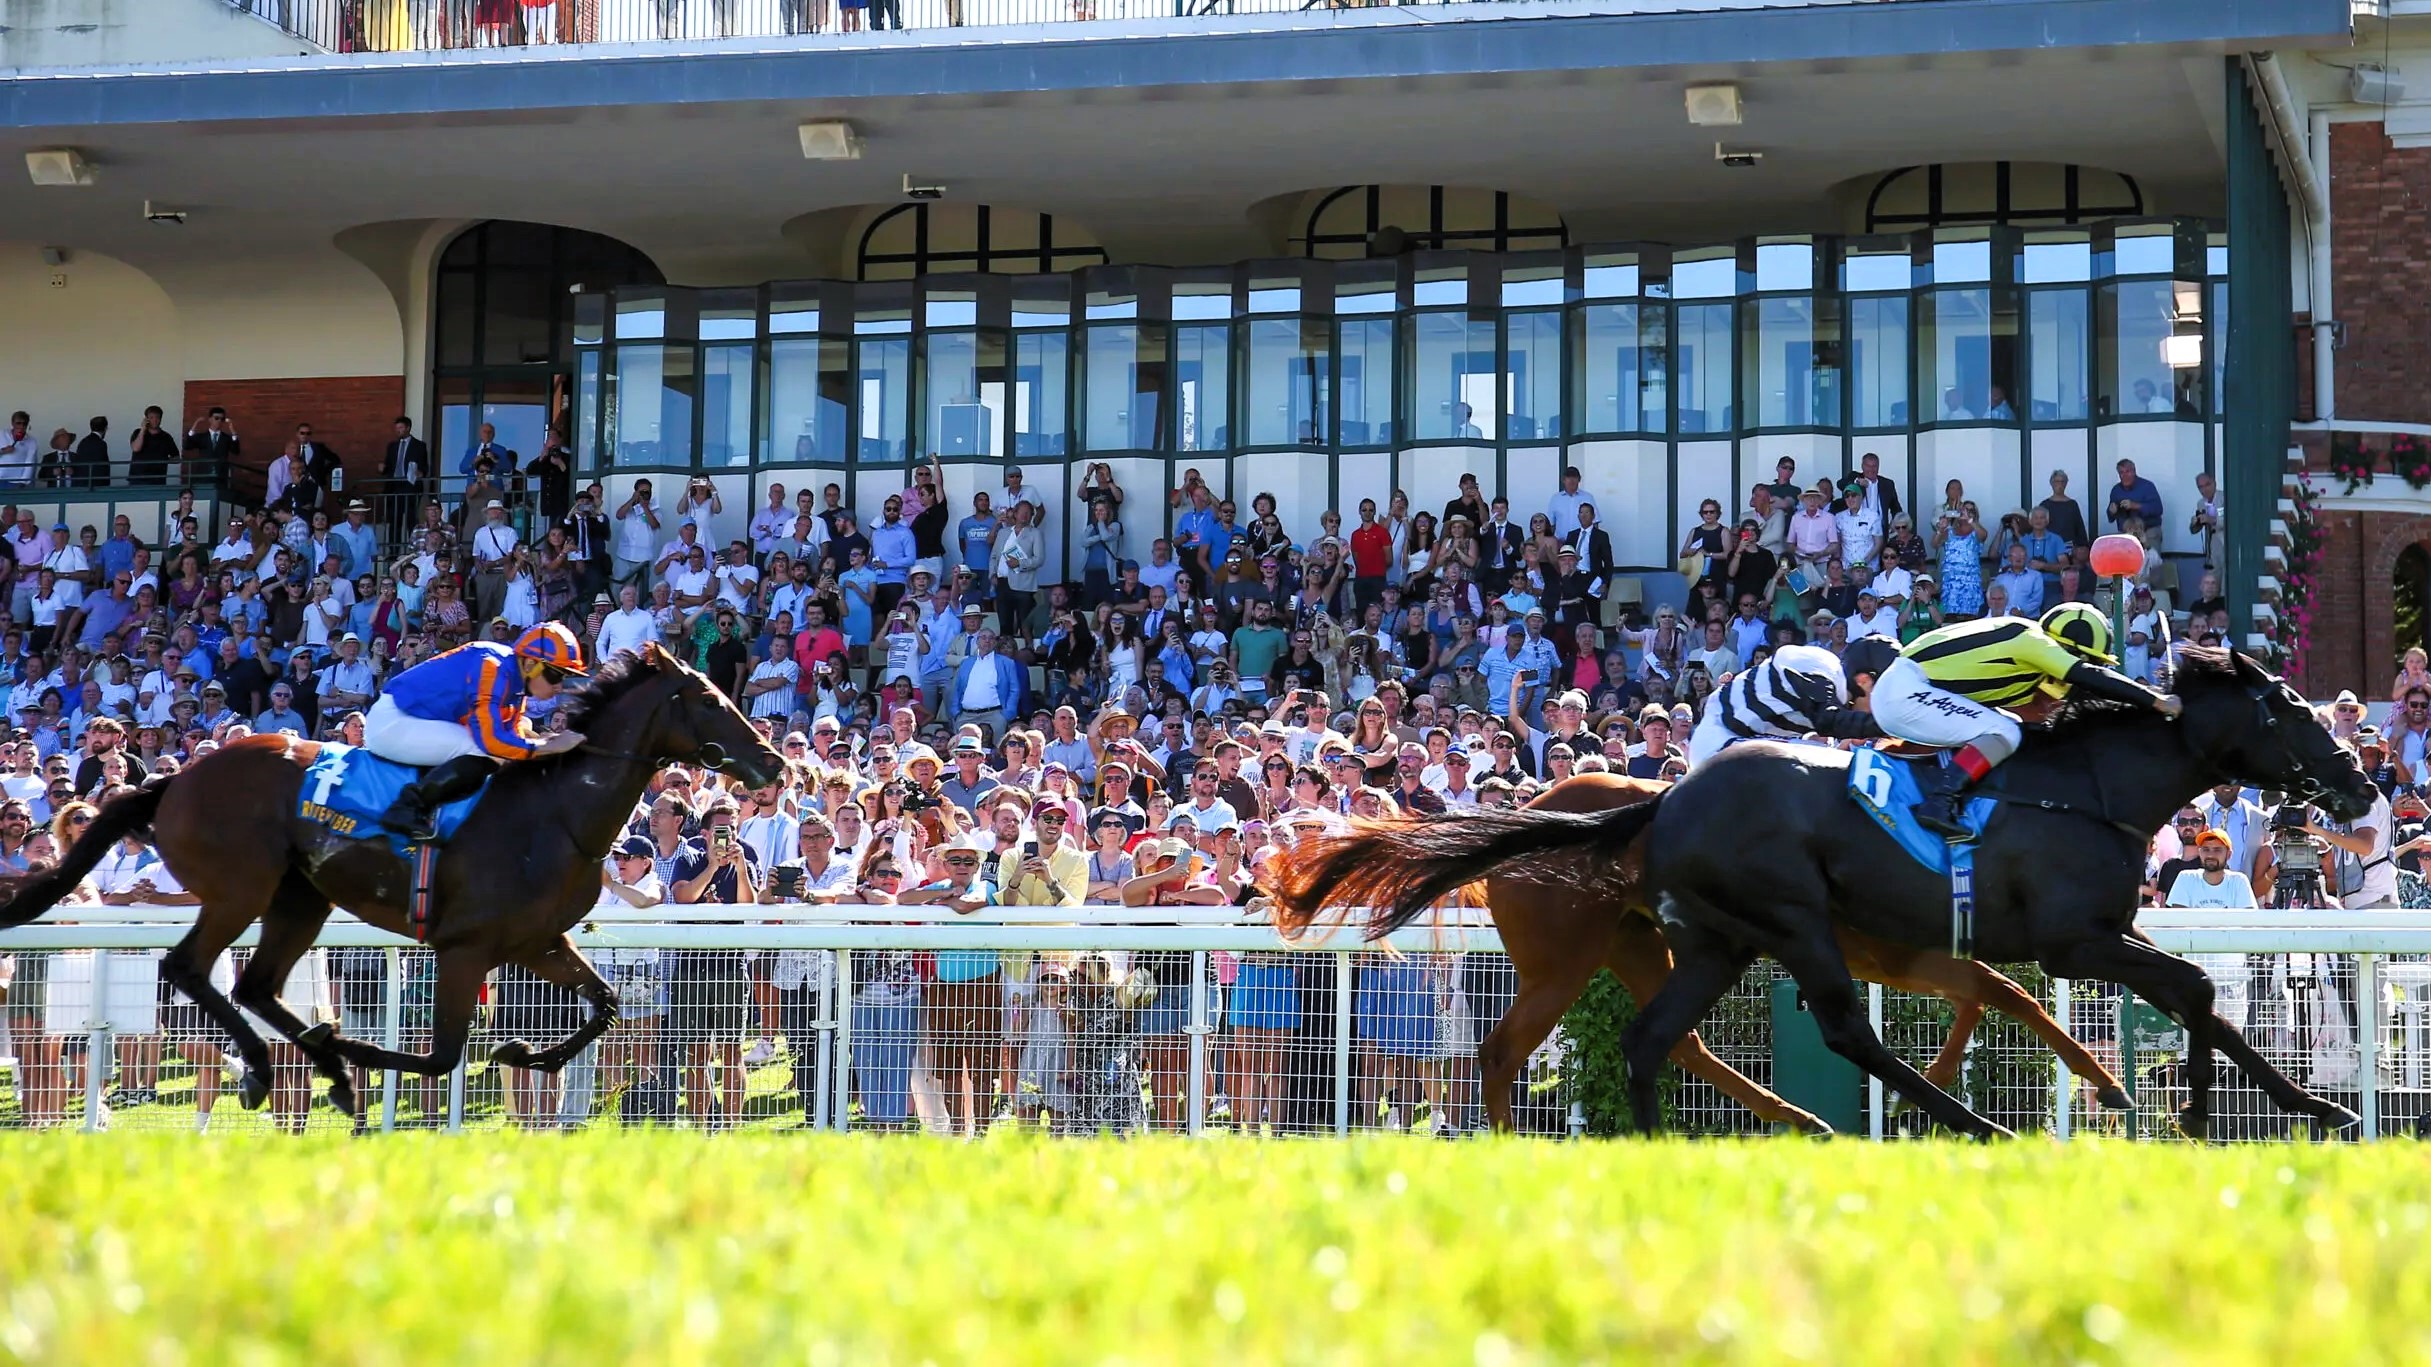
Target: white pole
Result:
[[97, 1041], [2367, 1040], [1342, 1043], [1196, 1089], [1875, 1119], [842, 1112], [2063, 1082], [392, 1034]]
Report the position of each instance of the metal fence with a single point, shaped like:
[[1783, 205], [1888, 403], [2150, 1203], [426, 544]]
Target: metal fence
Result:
[[849, 1018], [430, 25]]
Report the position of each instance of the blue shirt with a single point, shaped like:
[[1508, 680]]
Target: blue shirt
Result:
[[361, 545], [976, 532], [1196, 528], [103, 614], [966, 965], [117, 556], [892, 544]]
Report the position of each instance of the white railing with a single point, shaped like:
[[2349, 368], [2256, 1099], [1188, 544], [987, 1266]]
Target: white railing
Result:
[[110, 934]]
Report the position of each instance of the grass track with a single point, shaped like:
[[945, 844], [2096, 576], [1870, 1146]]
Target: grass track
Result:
[[670, 1249]]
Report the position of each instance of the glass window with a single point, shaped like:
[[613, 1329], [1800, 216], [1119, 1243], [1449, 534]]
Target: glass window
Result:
[[1969, 354], [2137, 371], [1793, 360], [956, 417], [1202, 387], [2219, 345], [1618, 354], [726, 405], [586, 408], [1286, 395], [1366, 351], [1532, 376], [807, 387], [1123, 384], [1705, 368], [1878, 361], [1040, 382], [883, 371], [1453, 377], [652, 405], [2059, 344]]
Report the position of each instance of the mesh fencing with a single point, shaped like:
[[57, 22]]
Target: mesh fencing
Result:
[[1123, 1042]]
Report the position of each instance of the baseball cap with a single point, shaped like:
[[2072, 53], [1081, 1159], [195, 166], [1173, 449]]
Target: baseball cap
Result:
[[2212, 838], [634, 847]]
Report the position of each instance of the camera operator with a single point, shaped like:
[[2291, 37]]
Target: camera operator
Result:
[[2365, 874]]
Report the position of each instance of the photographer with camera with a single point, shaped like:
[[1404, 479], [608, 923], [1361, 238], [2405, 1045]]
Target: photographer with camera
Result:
[[819, 876], [708, 992]]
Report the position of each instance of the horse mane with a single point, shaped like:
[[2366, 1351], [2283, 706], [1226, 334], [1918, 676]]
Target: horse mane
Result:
[[2196, 668], [620, 674]]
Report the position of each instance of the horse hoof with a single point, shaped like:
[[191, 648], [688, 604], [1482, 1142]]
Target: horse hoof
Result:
[[512, 1054], [2333, 1119], [1992, 1131], [342, 1099], [2193, 1123], [252, 1092], [2115, 1098], [316, 1035]]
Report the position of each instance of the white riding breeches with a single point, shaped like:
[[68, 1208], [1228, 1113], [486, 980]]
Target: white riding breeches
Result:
[[1911, 707], [390, 733], [1710, 737]]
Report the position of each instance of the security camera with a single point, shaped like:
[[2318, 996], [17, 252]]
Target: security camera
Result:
[[914, 189], [154, 214]]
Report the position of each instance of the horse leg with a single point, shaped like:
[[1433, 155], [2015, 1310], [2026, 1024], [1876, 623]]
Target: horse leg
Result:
[[1548, 983], [188, 967], [2179, 988], [1704, 967], [455, 993], [1975, 985], [561, 963], [1814, 960], [294, 920], [1642, 961]]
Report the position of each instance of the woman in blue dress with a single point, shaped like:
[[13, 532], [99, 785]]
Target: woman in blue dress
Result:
[[858, 586], [1962, 562]]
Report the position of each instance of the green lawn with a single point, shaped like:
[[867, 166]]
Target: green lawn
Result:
[[672, 1248]]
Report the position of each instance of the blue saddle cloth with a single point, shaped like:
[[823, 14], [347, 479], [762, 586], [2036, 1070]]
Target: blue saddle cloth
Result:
[[347, 789], [1886, 789]]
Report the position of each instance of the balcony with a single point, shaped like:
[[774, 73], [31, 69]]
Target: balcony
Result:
[[456, 25]]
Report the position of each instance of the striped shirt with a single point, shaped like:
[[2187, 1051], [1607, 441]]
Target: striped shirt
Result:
[[1800, 690], [1998, 661]]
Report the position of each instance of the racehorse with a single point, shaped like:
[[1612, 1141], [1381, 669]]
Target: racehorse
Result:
[[506, 889], [2056, 871], [1559, 931]]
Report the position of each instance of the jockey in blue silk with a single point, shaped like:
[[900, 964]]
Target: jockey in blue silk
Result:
[[462, 712]]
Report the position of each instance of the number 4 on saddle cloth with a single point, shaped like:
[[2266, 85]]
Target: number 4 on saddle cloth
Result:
[[348, 788], [1886, 788]]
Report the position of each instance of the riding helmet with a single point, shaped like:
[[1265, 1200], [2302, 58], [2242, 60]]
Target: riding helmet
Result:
[[552, 645], [2085, 631], [1869, 655]]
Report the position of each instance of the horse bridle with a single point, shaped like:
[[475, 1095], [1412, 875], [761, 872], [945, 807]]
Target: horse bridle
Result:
[[2300, 784], [710, 754]]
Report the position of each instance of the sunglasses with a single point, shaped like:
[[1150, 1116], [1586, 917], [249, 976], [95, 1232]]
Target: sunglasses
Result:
[[965, 862], [885, 873]]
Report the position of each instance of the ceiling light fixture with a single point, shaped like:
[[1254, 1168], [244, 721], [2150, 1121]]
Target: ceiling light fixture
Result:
[[58, 166], [1714, 106], [830, 140]]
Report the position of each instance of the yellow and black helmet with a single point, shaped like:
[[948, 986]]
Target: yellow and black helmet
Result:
[[2085, 631]]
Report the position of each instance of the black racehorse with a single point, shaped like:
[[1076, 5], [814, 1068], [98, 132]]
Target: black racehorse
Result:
[[1759, 850], [507, 888]]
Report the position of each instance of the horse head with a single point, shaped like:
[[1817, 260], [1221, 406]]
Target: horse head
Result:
[[687, 721], [2255, 730]]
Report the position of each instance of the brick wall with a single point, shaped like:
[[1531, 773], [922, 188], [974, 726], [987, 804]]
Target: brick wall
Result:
[[2381, 272], [352, 413]]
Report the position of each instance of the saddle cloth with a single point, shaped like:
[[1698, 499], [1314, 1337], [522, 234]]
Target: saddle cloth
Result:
[[1886, 788], [347, 789]]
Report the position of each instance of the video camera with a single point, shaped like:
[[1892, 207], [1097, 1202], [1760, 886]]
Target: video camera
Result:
[[2294, 849]]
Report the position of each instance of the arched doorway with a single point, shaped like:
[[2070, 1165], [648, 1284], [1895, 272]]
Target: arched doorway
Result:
[[502, 329], [2409, 602]]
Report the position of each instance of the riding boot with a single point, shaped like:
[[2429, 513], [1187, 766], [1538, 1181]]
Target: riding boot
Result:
[[415, 813], [1944, 808]]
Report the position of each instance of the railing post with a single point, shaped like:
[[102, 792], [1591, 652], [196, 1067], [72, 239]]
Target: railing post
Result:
[[97, 1046], [1196, 1089], [822, 1025], [841, 1112], [392, 996], [2063, 1082], [1342, 1042], [2367, 1042], [1875, 1120], [455, 1097]]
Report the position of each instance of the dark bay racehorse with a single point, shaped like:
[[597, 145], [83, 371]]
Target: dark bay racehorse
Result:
[[508, 886], [1559, 931], [1761, 852]]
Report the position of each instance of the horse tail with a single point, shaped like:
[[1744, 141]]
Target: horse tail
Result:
[[1397, 869], [25, 897]]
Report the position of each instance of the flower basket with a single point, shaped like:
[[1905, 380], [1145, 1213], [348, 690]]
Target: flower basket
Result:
[[2410, 458], [2350, 461]]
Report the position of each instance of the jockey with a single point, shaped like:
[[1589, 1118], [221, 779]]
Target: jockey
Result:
[[1953, 686], [463, 712], [1799, 691]]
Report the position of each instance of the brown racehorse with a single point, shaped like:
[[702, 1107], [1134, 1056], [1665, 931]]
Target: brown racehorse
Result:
[[1559, 933], [508, 886]]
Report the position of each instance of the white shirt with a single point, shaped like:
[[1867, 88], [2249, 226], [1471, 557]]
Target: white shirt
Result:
[[634, 535], [776, 702], [735, 585], [1884, 623], [2192, 889], [65, 561], [119, 871], [17, 458], [493, 543], [688, 583], [769, 526], [2380, 871], [625, 629], [1562, 508], [981, 694], [1893, 584], [1860, 535]]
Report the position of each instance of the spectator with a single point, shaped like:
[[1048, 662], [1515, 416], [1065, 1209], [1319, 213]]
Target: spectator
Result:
[[707, 996]]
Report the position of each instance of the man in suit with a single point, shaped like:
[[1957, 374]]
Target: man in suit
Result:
[[319, 461], [406, 469], [1592, 542], [211, 445], [1881, 493], [91, 469], [502, 456], [1499, 540]]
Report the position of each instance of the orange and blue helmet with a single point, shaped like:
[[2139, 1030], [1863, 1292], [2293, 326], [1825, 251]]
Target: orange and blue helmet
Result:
[[550, 644]]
